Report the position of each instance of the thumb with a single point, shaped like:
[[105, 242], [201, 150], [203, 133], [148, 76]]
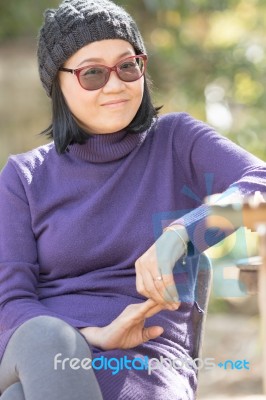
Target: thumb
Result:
[[151, 332]]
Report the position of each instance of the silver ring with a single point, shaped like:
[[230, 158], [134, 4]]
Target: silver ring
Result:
[[158, 278]]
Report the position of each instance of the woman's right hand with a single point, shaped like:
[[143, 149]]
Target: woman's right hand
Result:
[[127, 330], [154, 269]]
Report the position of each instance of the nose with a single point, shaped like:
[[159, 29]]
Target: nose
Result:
[[114, 84]]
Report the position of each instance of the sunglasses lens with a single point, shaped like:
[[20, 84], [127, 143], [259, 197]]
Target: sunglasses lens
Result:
[[130, 70], [93, 78]]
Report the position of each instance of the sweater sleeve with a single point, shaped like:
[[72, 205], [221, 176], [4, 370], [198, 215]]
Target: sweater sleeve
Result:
[[212, 164], [19, 269]]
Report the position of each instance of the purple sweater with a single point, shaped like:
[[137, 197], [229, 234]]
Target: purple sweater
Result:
[[72, 227]]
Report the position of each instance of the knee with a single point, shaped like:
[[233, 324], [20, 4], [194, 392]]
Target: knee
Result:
[[50, 334], [14, 392]]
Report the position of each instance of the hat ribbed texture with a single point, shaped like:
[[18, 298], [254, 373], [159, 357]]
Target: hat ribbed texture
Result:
[[76, 23]]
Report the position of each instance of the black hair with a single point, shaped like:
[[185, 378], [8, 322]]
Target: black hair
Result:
[[65, 131]]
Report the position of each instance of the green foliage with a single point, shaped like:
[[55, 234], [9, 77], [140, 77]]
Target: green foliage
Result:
[[205, 57], [208, 58], [23, 17]]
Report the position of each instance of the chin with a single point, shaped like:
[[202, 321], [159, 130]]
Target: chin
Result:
[[113, 129]]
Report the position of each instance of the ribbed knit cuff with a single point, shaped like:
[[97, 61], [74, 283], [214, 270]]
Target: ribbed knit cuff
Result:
[[201, 236]]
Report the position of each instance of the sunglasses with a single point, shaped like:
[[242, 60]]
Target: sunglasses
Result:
[[94, 77]]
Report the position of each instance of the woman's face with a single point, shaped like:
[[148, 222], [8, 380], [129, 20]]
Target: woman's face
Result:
[[111, 108]]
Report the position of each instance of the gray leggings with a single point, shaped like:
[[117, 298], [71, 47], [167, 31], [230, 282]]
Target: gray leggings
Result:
[[27, 370]]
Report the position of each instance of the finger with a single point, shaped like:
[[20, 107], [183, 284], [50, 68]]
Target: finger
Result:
[[138, 311], [151, 332], [139, 283], [170, 300], [148, 308], [148, 285], [154, 310], [140, 286], [162, 291], [156, 290], [151, 287], [147, 312], [167, 288], [140, 279]]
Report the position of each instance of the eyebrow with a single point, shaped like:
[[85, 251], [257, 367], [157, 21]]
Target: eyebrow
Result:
[[100, 60]]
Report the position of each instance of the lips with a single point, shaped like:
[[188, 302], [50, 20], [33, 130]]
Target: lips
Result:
[[114, 102]]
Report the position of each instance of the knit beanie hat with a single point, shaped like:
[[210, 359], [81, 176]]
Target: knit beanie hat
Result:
[[76, 23]]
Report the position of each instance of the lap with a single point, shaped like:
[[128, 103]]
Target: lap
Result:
[[43, 337], [34, 344]]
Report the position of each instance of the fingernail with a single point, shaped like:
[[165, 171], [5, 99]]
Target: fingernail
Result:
[[176, 299]]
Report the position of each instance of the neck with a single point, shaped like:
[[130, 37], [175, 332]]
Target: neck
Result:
[[108, 147]]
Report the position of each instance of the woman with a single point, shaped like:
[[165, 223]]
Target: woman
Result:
[[96, 226]]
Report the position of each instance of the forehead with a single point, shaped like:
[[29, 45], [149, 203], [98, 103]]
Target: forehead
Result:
[[103, 51]]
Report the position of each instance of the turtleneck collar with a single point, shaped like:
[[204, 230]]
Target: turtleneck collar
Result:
[[108, 147]]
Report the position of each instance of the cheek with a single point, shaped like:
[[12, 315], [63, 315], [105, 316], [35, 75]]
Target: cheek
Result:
[[67, 91], [138, 93], [77, 98], [69, 87]]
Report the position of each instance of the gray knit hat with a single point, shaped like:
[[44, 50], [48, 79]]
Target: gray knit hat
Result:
[[76, 23]]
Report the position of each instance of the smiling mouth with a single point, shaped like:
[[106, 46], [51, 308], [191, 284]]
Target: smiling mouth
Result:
[[115, 103]]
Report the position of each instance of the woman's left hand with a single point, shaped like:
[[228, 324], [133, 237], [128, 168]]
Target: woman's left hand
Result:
[[154, 269], [127, 330]]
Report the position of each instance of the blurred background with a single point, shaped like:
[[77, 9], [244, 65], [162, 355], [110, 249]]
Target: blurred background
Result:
[[207, 58]]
